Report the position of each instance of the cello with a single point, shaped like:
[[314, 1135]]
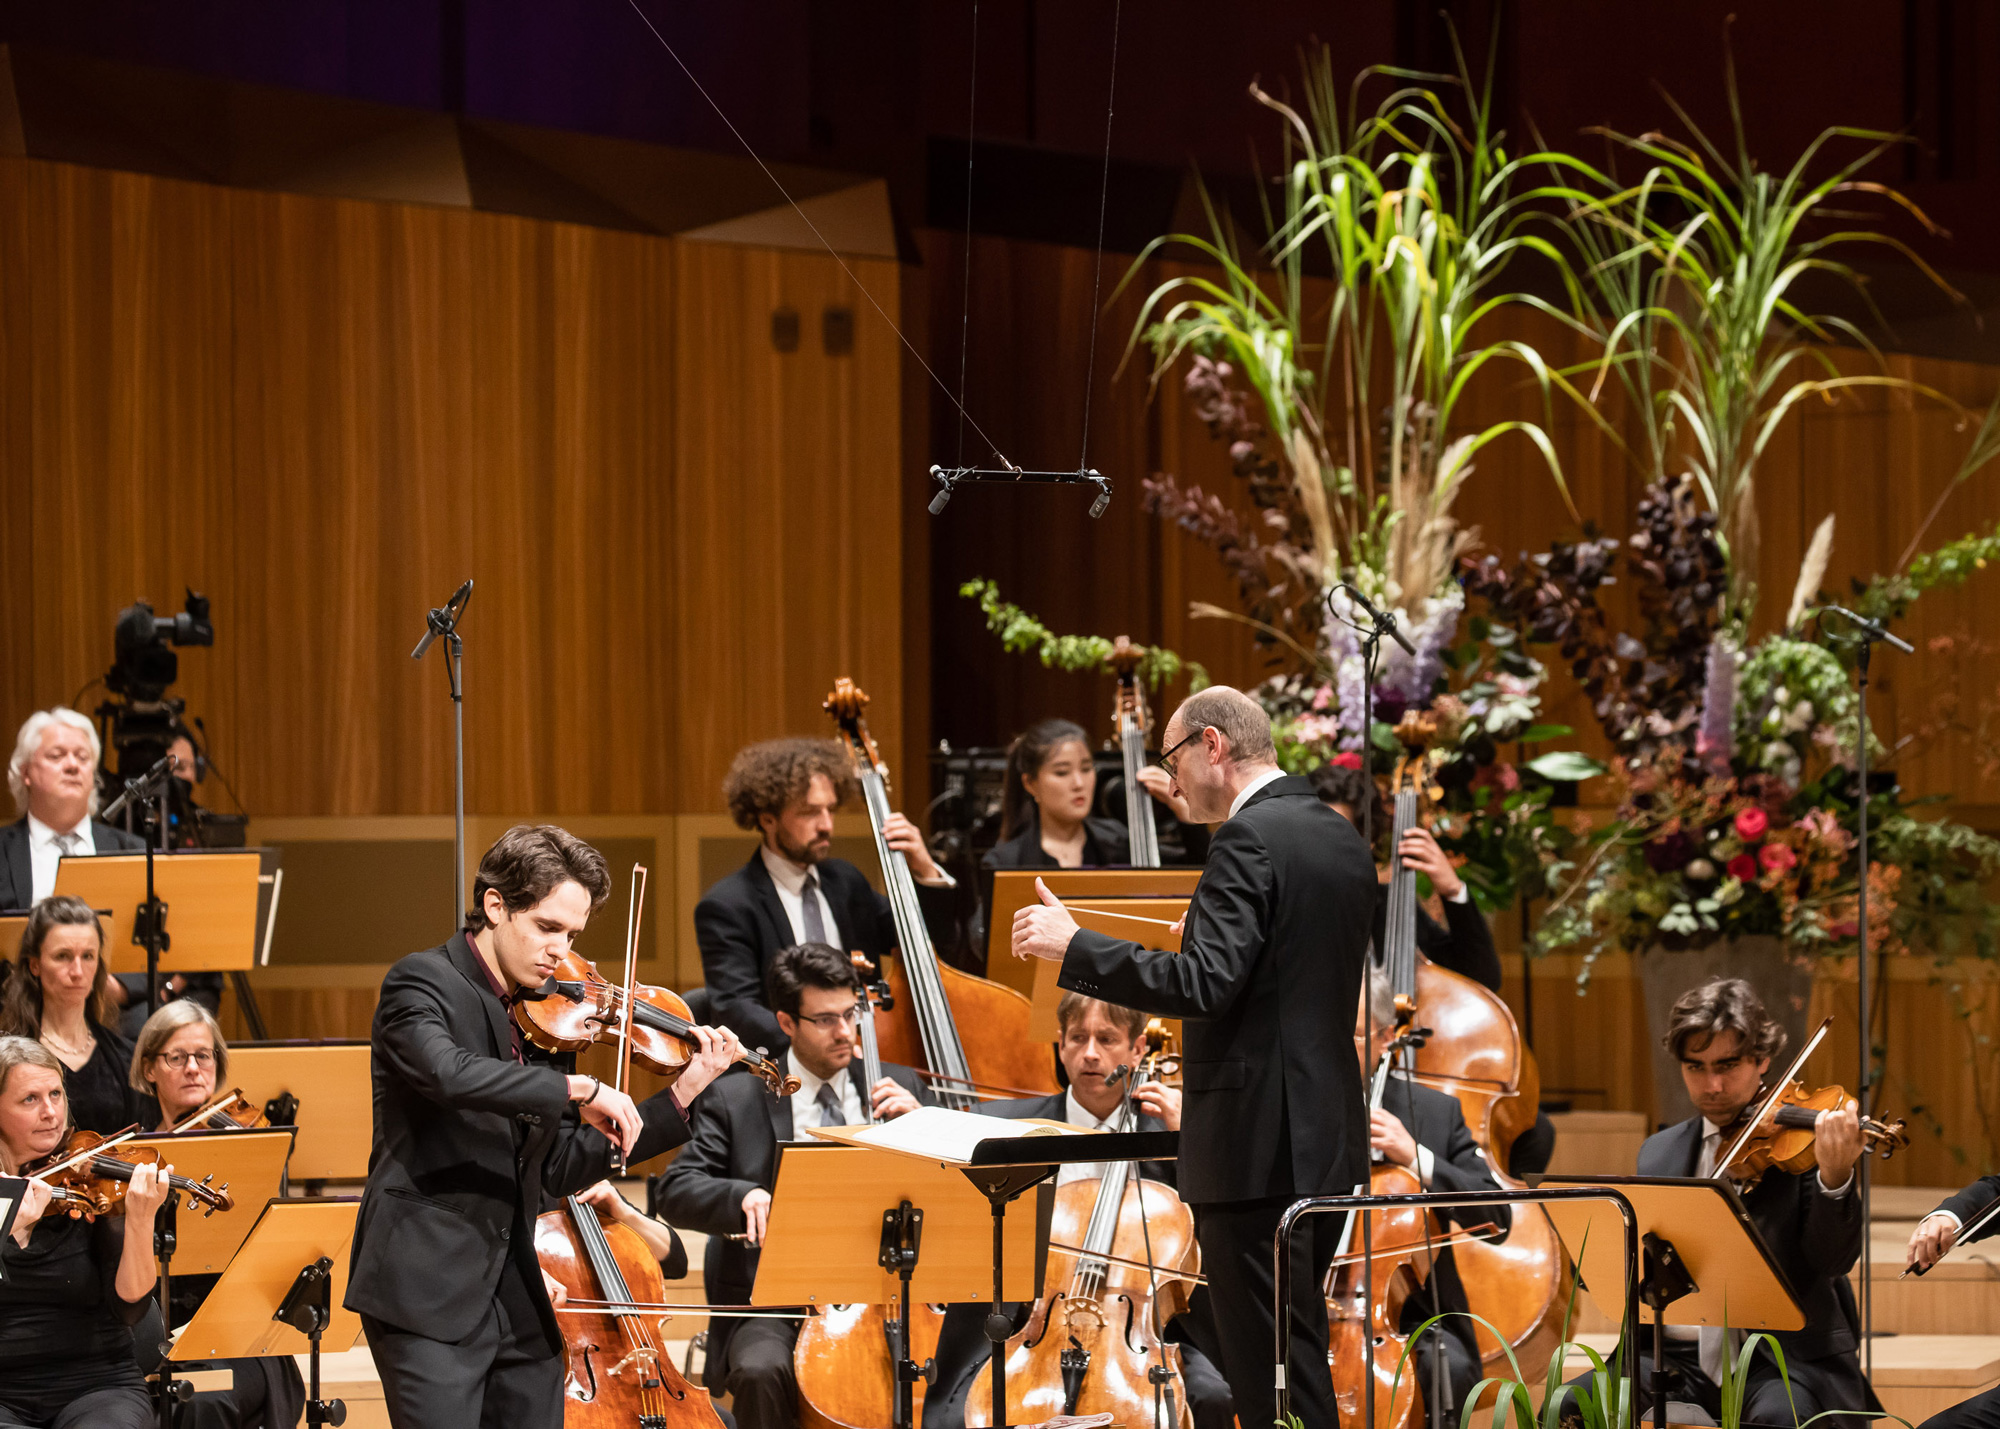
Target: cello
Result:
[[968, 1033], [844, 1361], [1094, 1345], [1520, 1285], [617, 1372], [1134, 723]]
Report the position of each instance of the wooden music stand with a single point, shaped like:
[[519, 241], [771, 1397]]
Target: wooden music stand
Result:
[[211, 899], [336, 1115], [249, 1164]]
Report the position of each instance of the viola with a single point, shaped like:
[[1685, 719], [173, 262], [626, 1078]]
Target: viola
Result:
[[578, 1008], [232, 1111], [617, 1370], [1521, 1285], [968, 1034], [1783, 1137], [1092, 1345], [94, 1171], [1133, 721]]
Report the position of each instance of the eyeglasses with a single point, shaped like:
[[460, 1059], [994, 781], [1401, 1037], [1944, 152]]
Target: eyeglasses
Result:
[[827, 1021], [178, 1060], [1166, 761]]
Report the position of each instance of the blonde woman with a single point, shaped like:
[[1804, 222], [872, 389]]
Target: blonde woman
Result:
[[60, 995], [70, 1289]]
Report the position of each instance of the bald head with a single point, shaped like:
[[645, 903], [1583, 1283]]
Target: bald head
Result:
[[1224, 740]]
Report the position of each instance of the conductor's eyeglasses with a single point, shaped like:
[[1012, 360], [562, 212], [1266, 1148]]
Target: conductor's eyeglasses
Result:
[[178, 1060], [828, 1021], [1166, 761]]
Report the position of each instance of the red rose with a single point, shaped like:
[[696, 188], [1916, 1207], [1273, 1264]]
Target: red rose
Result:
[[1776, 858], [1743, 868], [1347, 759], [1751, 823]]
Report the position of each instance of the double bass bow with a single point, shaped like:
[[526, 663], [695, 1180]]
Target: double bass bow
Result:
[[968, 1033], [1133, 721]]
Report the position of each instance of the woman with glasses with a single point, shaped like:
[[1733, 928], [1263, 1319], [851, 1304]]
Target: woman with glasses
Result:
[[60, 995], [180, 1058], [1045, 818]]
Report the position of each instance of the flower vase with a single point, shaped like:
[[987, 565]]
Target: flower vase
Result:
[[1782, 979]]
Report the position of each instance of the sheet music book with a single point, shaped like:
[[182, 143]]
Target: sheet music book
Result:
[[939, 1134]]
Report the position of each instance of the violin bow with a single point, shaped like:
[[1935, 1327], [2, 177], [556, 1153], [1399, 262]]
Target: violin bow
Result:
[[110, 1141], [1964, 1234], [196, 1118], [1778, 1089], [633, 917]]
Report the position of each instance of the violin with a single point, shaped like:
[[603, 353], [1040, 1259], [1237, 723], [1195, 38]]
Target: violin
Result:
[[968, 1034], [1133, 721], [617, 1369], [1092, 1342], [578, 1008], [232, 1111], [1782, 1138], [92, 1172]]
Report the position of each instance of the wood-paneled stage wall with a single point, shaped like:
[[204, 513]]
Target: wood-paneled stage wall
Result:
[[326, 413]]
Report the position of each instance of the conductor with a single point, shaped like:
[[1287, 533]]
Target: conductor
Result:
[[1273, 952]]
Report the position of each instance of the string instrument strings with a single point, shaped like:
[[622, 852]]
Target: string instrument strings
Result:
[[1132, 720], [944, 1052]]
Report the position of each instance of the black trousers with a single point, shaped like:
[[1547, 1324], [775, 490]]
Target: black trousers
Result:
[[1236, 1243], [501, 1376], [121, 1406], [757, 1373], [1982, 1411]]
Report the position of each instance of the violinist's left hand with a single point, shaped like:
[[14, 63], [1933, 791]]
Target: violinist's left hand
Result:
[[1158, 1099], [1389, 1139], [902, 835], [718, 1053], [147, 1192], [1043, 930], [1160, 785], [1837, 1144]]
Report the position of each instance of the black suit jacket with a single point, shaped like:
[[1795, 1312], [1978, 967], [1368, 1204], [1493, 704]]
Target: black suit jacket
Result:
[[1971, 1202], [1816, 1239], [17, 870], [735, 1126], [467, 1145], [1269, 972], [1463, 942], [1436, 1123], [740, 925]]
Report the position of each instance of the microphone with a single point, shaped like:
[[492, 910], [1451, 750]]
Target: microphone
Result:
[[138, 788], [1117, 1074], [1101, 505], [1874, 630], [445, 621], [939, 501], [1383, 623]]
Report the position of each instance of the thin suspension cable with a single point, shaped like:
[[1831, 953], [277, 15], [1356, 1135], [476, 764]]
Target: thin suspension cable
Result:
[[1097, 263], [965, 319], [785, 193]]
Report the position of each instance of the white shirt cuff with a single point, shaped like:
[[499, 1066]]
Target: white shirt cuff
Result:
[[1952, 1216], [1846, 1187], [1464, 894], [1426, 1163], [943, 880]]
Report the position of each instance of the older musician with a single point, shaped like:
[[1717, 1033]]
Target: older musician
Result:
[[793, 890], [1271, 962], [1045, 803], [722, 1180], [53, 778], [1725, 1043], [1962, 1217], [70, 1288], [62, 995]]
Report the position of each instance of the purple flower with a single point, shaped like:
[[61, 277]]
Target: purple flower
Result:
[[1669, 852]]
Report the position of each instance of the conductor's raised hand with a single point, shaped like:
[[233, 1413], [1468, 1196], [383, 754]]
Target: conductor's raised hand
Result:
[[1043, 930], [717, 1054], [612, 1112]]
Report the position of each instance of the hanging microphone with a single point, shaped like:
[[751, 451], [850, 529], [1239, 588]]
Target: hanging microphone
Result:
[[1383, 623], [938, 502], [1098, 507]]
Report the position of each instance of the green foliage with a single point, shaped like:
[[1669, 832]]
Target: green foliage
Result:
[[1890, 597], [1019, 631], [1943, 901]]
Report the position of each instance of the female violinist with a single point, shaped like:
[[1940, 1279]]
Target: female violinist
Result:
[[1045, 819], [180, 1057], [73, 1287], [60, 995]]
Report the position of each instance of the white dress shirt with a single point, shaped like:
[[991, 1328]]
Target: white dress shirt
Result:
[[1075, 1114], [791, 884], [805, 1101], [44, 853], [1236, 805]]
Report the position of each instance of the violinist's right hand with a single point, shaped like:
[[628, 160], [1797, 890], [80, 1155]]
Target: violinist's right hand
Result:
[[557, 1295], [1935, 1234], [756, 1214], [33, 1205], [611, 1112]]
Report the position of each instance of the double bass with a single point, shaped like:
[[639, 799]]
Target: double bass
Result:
[[968, 1033], [1120, 1248], [844, 1361], [1520, 1285], [1134, 724]]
